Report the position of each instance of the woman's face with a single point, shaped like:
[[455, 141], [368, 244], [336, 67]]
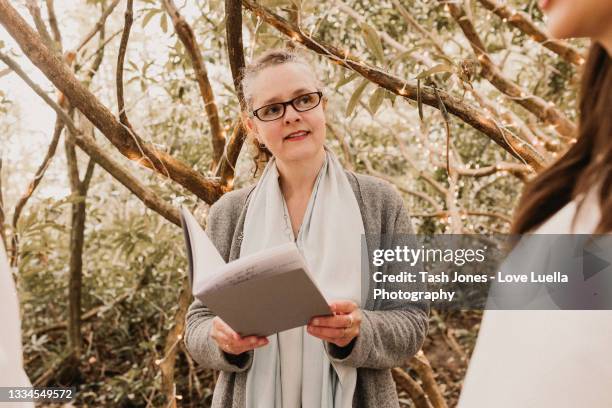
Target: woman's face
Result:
[[282, 83], [578, 18]]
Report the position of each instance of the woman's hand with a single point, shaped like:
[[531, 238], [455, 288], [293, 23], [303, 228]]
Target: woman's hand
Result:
[[342, 327], [230, 341]]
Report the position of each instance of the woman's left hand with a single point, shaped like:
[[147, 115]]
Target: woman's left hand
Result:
[[342, 327]]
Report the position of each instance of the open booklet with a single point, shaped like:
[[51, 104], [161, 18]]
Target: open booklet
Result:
[[260, 294]]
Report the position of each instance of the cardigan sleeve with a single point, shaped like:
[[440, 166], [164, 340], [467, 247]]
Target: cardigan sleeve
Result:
[[198, 342], [395, 331]]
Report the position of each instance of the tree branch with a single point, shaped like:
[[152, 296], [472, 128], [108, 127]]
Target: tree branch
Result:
[[421, 365], [227, 166], [520, 171], [400, 187], [187, 37], [235, 51], [514, 120], [174, 337], [412, 22], [40, 172], [88, 145], [545, 111], [57, 35], [128, 143], [125, 36], [523, 23], [41, 27], [99, 24], [469, 114], [414, 390]]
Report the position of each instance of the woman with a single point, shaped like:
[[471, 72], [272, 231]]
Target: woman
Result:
[[12, 373], [304, 195], [559, 358]]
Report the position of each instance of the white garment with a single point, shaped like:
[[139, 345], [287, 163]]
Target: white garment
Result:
[[544, 358], [293, 370], [11, 359]]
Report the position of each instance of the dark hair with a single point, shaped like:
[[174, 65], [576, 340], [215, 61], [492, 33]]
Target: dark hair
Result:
[[269, 58], [586, 164]]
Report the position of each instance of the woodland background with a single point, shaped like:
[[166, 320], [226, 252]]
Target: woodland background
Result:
[[114, 112]]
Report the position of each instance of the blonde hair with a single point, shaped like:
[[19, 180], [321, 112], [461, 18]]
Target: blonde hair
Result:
[[270, 58]]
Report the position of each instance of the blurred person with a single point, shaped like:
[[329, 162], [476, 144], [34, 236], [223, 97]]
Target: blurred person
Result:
[[11, 357], [552, 358]]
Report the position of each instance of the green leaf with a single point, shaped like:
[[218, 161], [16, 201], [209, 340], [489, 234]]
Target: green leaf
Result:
[[356, 96], [436, 69], [443, 57], [133, 66], [391, 97], [164, 23], [373, 41], [148, 16], [376, 100], [345, 80]]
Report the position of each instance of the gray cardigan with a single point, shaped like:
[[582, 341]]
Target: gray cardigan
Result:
[[391, 331]]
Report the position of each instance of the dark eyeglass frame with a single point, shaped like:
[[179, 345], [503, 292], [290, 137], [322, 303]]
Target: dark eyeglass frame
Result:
[[284, 104]]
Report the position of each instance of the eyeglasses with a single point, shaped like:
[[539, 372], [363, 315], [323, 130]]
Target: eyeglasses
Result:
[[300, 103]]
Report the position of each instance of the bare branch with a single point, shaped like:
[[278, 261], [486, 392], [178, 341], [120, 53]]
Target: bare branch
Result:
[[98, 25], [86, 59], [399, 186], [489, 214], [125, 36], [421, 365], [40, 172], [523, 22], [445, 214], [413, 23], [348, 157], [88, 145], [174, 337], [547, 112], [41, 27], [95, 65], [89, 170], [71, 159], [520, 171], [57, 35], [128, 143], [235, 51], [227, 165], [469, 114], [187, 37], [414, 390]]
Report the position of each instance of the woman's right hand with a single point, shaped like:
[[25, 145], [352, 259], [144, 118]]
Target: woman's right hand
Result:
[[230, 341]]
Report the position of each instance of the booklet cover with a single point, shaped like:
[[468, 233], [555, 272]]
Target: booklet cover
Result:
[[260, 294]]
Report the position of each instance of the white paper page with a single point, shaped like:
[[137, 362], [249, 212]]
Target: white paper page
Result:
[[206, 259], [262, 264]]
